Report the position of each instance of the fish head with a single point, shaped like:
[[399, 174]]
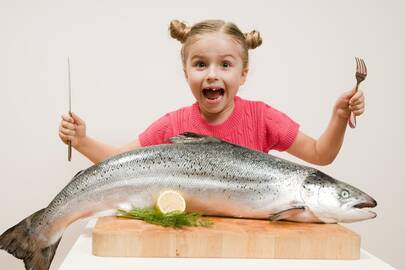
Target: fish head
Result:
[[333, 201]]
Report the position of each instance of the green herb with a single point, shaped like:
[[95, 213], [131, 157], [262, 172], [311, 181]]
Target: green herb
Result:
[[173, 219]]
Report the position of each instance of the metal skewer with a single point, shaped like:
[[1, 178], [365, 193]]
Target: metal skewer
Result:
[[70, 110]]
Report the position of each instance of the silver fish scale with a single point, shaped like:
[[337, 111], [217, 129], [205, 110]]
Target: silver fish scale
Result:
[[213, 170]]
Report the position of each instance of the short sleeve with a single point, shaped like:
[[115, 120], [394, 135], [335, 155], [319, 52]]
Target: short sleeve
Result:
[[157, 132], [281, 130]]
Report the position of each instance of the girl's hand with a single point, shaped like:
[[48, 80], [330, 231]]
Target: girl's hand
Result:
[[350, 101], [72, 129]]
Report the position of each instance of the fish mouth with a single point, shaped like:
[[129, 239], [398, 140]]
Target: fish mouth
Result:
[[364, 207]]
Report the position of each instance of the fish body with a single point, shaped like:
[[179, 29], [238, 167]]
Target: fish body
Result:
[[214, 177]]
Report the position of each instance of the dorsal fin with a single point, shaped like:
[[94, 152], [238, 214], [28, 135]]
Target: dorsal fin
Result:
[[190, 137]]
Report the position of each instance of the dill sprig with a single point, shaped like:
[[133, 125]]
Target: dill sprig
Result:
[[175, 219]]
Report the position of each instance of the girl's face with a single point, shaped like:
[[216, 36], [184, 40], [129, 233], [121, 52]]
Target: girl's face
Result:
[[214, 71]]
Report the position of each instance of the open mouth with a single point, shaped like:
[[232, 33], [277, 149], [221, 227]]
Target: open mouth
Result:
[[362, 207], [213, 93], [369, 204]]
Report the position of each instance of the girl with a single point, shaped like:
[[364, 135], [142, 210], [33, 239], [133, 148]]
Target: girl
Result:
[[215, 63]]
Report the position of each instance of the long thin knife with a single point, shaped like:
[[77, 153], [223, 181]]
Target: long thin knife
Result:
[[70, 110]]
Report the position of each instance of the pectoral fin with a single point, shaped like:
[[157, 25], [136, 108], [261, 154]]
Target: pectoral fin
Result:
[[287, 214]]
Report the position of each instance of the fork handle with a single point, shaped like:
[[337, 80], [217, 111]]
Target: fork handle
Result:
[[352, 120], [352, 117]]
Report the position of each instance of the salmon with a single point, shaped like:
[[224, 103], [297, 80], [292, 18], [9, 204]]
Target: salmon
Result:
[[214, 177]]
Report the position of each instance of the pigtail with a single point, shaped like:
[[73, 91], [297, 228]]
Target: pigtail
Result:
[[253, 39], [179, 30]]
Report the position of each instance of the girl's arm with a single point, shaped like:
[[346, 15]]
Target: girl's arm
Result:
[[73, 129], [97, 151], [324, 150]]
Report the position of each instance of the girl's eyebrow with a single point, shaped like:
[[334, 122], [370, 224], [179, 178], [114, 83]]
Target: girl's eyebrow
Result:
[[222, 56], [197, 56], [226, 55]]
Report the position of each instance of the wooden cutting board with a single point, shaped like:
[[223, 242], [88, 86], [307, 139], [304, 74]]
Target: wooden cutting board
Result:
[[227, 238]]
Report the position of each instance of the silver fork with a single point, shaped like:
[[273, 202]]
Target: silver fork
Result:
[[361, 74]]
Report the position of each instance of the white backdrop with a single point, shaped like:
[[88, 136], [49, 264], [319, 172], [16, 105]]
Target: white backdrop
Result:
[[126, 72]]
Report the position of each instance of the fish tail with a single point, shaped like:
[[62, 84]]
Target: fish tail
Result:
[[23, 244]]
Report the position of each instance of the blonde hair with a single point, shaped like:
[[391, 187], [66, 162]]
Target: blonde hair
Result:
[[188, 35]]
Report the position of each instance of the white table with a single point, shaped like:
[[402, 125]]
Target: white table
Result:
[[80, 257]]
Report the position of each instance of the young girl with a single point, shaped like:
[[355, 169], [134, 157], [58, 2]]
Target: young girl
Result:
[[215, 62]]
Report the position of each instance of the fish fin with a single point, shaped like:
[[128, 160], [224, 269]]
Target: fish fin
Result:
[[287, 214], [22, 244], [190, 137], [79, 172], [76, 175]]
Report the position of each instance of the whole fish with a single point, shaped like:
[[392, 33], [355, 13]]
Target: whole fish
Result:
[[214, 177]]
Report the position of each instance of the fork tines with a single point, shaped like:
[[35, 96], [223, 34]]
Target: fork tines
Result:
[[361, 66]]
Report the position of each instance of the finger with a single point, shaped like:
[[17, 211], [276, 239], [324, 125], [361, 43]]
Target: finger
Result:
[[77, 119], [68, 125], [343, 102], [67, 118], [349, 93], [357, 96], [356, 100], [356, 107], [62, 136], [358, 112], [65, 138], [66, 131]]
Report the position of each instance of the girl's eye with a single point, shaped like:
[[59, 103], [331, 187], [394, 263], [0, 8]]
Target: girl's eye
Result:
[[226, 64], [199, 64]]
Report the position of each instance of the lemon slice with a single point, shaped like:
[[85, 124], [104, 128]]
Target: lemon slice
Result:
[[170, 201]]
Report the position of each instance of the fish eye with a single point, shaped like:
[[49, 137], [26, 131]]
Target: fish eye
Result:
[[345, 194]]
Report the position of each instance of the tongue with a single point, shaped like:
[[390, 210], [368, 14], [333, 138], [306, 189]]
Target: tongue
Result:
[[212, 94]]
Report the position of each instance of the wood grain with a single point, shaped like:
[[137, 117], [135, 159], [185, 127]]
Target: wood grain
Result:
[[227, 238]]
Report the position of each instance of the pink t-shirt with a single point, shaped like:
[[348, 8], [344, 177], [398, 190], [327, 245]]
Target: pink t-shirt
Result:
[[252, 124]]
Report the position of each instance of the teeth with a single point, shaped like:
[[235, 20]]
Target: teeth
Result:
[[213, 93], [212, 89]]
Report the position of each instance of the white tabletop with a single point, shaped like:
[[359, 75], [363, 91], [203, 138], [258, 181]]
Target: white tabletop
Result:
[[80, 257]]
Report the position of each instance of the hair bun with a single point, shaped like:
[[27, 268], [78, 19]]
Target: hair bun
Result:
[[253, 39], [179, 30]]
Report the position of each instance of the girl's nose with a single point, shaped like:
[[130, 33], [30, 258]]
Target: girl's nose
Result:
[[212, 74]]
